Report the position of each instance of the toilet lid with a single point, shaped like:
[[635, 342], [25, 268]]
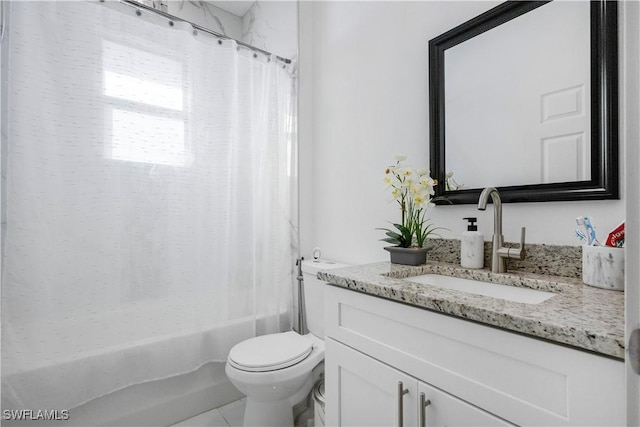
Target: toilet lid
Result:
[[270, 352]]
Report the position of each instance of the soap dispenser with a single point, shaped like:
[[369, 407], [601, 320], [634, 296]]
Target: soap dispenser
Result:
[[472, 246]]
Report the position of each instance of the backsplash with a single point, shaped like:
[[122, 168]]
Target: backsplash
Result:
[[555, 260]]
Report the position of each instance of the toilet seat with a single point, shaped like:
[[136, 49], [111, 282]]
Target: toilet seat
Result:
[[270, 352]]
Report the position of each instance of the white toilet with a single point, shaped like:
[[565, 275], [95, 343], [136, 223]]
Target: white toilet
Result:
[[275, 371]]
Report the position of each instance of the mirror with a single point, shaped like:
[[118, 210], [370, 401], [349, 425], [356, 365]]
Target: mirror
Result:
[[524, 98]]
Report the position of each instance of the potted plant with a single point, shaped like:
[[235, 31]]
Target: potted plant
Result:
[[412, 189]]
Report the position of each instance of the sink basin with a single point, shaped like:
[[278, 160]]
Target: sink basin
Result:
[[493, 290]]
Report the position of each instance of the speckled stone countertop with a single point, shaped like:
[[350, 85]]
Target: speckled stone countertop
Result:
[[578, 315]]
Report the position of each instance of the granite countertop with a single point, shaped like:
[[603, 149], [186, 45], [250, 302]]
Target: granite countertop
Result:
[[578, 315]]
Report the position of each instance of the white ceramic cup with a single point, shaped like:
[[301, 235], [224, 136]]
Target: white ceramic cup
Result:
[[603, 267]]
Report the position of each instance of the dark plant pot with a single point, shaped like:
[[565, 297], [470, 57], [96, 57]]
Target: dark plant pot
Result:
[[407, 256]]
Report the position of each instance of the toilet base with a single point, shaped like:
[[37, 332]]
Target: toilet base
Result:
[[275, 413]]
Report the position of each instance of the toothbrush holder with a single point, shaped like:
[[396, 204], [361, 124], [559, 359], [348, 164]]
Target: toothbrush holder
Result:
[[603, 267]]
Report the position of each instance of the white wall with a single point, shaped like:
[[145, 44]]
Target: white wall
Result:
[[630, 103], [269, 25], [364, 97], [272, 26], [208, 16]]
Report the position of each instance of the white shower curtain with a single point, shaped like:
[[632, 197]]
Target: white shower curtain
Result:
[[150, 196]]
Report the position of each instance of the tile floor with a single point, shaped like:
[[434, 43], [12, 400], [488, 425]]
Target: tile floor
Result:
[[230, 415]]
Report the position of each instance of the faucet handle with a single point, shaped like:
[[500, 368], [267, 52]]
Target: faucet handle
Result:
[[514, 253], [522, 233]]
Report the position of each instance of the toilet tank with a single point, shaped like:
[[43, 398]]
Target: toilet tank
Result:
[[314, 293]]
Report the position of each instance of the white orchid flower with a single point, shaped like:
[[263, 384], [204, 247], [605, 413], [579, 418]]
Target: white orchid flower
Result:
[[428, 181], [400, 157], [407, 183]]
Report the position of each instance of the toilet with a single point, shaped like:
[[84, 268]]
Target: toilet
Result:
[[275, 371]]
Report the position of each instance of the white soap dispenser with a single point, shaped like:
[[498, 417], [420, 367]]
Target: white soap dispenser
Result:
[[472, 246]]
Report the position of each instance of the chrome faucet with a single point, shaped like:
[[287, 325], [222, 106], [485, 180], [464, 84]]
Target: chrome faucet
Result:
[[499, 253]]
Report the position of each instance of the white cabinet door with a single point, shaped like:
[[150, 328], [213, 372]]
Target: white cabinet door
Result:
[[362, 391], [443, 409]]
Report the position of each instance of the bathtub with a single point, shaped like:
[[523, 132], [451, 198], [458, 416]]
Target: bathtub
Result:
[[155, 403], [147, 396]]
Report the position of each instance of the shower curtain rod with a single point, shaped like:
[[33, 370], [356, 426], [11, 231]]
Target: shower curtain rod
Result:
[[137, 5]]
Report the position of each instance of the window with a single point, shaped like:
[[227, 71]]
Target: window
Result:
[[145, 106]]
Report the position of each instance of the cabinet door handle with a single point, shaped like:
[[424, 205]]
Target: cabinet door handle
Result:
[[424, 402], [401, 392]]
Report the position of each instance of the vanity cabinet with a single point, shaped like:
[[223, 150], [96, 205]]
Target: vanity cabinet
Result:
[[471, 373], [367, 392]]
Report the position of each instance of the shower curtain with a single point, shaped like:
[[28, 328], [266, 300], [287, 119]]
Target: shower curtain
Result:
[[149, 199]]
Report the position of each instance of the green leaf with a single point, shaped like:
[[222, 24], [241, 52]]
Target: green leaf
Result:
[[402, 239], [392, 241], [404, 230]]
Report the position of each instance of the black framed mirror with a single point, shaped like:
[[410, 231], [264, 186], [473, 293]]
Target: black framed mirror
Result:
[[574, 134]]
